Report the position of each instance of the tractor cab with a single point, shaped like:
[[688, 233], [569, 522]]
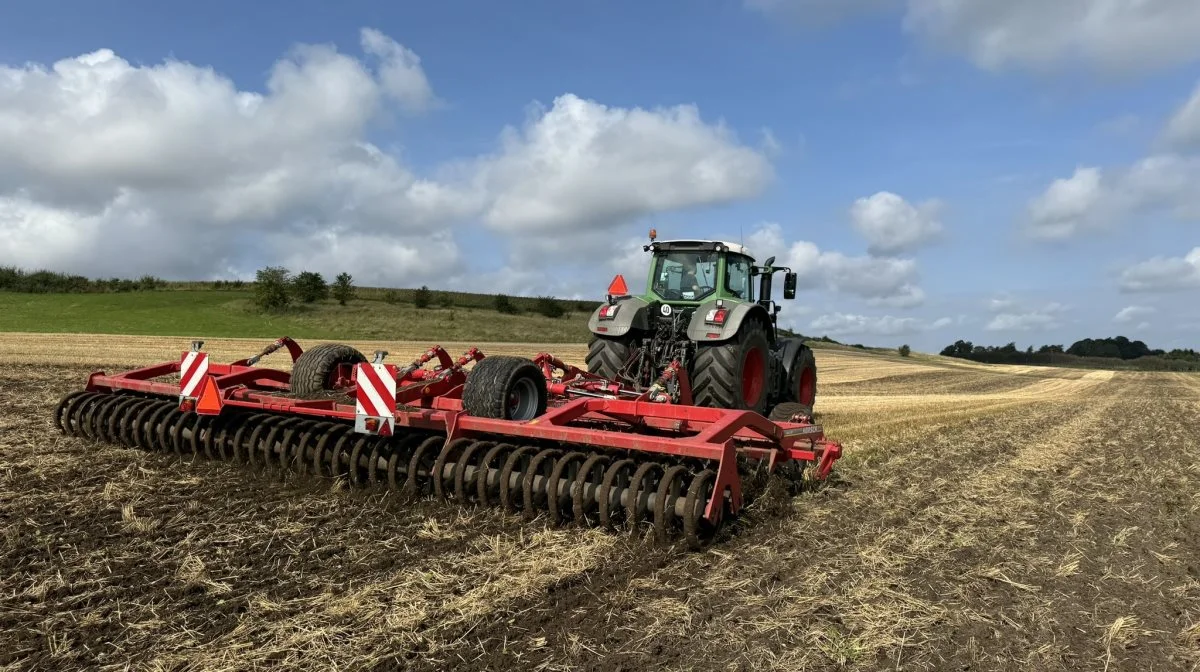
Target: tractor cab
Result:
[[693, 272]]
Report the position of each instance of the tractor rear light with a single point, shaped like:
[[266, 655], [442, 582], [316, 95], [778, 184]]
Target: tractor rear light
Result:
[[187, 405], [609, 312], [716, 316], [372, 424], [713, 334]]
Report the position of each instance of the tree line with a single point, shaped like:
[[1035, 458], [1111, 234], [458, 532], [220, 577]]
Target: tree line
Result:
[[1114, 352], [13, 279]]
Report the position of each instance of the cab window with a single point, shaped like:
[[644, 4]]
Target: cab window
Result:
[[686, 276], [737, 277]]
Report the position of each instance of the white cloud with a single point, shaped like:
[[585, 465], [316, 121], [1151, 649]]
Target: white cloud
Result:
[[892, 225], [1092, 200], [400, 72], [1066, 206], [1183, 129], [842, 324], [1001, 303], [1046, 317], [102, 161], [1130, 313], [1163, 274], [1113, 35], [581, 165], [879, 280]]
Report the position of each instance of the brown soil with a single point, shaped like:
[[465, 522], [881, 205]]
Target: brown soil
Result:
[[1052, 527]]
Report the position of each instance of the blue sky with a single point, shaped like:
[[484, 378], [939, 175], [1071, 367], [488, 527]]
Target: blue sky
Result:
[[1023, 173]]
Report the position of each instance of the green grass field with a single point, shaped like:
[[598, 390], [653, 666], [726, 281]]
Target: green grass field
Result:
[[218, 314]]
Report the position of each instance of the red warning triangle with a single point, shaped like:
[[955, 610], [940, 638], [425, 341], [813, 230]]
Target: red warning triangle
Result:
[[618, 287], [209, 402]]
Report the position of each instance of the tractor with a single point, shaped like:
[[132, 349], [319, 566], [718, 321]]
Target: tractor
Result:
[[701, 324]]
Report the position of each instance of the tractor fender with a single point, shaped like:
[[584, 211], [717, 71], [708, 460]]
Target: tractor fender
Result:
[[739, 312], [632, 314], [788, 349]]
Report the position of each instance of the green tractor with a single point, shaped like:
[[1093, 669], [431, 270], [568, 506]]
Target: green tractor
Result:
[[700, 314]]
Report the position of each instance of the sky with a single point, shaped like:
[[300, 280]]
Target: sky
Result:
[[933, 170]]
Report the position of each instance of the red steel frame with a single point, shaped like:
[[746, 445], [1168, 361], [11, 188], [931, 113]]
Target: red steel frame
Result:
[[432, 400]]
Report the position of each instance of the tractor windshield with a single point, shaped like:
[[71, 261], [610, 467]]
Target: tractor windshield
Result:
[[685, 276]]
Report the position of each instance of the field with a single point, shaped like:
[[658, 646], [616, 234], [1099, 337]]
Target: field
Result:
[[208, 313], [984, 517]]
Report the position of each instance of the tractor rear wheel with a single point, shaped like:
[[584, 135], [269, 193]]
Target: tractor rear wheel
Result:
[[607, 356], [734, 374], [317, 369]]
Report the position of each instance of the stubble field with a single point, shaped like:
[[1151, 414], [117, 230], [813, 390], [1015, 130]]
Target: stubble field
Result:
[[983, 518]]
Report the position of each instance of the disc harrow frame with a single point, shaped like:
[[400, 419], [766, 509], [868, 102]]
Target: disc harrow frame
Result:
[[597, 455]]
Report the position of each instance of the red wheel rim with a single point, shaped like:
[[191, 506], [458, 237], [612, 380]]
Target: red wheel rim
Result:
[[752, 377], [808, 386]]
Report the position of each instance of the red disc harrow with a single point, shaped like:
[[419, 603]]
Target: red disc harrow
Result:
[[530, 435]]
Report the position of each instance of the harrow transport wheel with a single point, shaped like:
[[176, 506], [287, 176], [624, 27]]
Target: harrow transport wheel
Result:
[[316, 370], [607, 355], [733, 374], [784, 412], [505, 387]]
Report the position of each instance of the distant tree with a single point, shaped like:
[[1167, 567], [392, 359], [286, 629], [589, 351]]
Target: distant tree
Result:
[[550, 307], [505, 305], [422, 297], [343, 288], [148, 283], [905, 351], [309, 287], [1050, 349], [392, 296], [271, 288], [445, 300]]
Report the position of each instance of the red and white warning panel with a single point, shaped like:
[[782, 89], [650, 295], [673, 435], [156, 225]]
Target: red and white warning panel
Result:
[[375, 401], [192, 371]]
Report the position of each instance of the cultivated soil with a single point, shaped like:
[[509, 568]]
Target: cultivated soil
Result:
[[984, 518]]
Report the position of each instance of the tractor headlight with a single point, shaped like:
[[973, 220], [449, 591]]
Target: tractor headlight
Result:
[[609, 312]]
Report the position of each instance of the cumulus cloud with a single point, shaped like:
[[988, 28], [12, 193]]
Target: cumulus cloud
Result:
[[102, 161], [400, 72], [882, 281], [842, 324], [1110, 35], [1130, 313], [581, 164], [892, 225], [1183, 129], [1114, 35], [1028, 319], [1163, 274], [1092, 199]]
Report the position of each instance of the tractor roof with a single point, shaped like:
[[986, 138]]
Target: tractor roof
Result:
[[735, 248]]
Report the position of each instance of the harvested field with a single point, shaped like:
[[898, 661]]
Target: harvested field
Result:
[[982, 519]]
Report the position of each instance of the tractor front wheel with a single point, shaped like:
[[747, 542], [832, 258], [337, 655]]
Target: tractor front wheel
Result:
[[803, 381], [734, 374]]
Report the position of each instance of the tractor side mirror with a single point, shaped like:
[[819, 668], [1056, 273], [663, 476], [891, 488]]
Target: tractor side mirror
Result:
[[789, 286]]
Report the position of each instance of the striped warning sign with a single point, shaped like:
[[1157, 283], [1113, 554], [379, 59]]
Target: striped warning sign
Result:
[[191, 372], [376, 397]]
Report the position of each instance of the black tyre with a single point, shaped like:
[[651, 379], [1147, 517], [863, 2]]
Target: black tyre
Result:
[[504, 387], [317, 368], [802, 383], [734, 374], [785, 411], [607, 356]]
